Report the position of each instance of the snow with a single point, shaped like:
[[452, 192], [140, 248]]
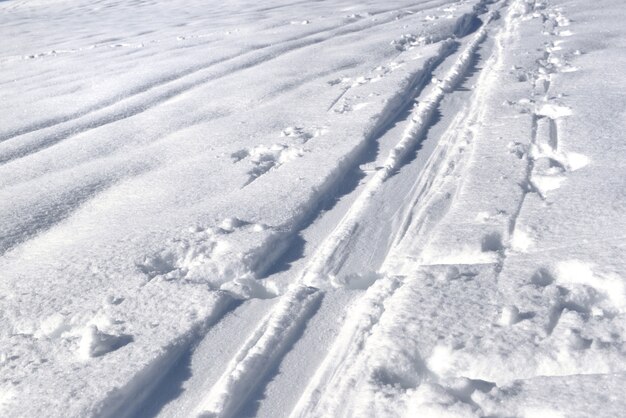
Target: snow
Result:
[[310, 209]]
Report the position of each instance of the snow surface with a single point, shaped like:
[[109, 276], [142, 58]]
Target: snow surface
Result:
[[312, 209]]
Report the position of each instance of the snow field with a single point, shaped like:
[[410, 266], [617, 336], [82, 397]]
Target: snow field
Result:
[[311, 209]]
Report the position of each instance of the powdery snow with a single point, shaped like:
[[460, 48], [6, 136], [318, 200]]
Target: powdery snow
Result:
[[312, 209]]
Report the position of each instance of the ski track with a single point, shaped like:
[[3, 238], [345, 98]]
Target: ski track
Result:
[[327, 259], [248, 368], [346, 364], [329, 256]]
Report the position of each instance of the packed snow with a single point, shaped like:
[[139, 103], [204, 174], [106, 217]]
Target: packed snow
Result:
[[312, 209]]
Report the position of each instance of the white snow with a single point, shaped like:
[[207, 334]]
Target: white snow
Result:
[[315, 209]]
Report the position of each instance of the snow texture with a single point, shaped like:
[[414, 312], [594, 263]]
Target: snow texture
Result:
[[312, 209]]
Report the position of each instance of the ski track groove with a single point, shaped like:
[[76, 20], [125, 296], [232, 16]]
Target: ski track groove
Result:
[[260, 352], [365, 314], [324, 263], [236, 380], [239, 382], [338, 373]]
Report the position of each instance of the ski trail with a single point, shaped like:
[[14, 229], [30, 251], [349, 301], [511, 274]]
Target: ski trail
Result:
[[434, 178], [334, 376], [271, 338], [328, 259], [260, 352], [347, 363], [429, 190]]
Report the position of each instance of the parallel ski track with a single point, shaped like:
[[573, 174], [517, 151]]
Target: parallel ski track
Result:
[[229, 392], [267, 343], [347, 361]]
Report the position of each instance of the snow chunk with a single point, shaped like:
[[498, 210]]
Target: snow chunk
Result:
[[230, 224], [576, 161], [521, 241], [7, 395], [547, 183], [554, 111], [95, 343], [52, 327], [509, 316], [356, 280], [441, 360], [576, 272], [259, 227], [265, 158], [247, 288]]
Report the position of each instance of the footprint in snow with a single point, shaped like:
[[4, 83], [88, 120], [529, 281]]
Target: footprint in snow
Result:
[[264, 159], [577, 293], [409, 41], [296, 133]]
